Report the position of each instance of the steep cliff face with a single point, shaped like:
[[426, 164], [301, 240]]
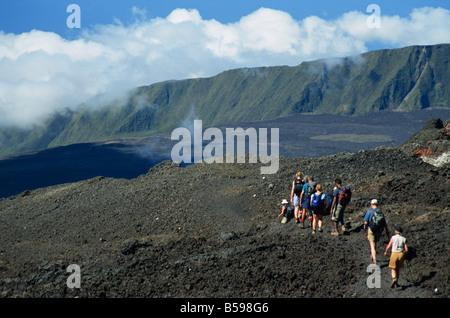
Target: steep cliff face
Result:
[[406, 79]]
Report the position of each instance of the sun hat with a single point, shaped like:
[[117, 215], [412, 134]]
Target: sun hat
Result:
[[284, 201], [374, 201]]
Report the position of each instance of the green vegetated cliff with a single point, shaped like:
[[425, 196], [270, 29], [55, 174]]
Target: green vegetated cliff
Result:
[[405, 79]]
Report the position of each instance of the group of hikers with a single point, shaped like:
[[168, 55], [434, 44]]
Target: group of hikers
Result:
[[308, 197]]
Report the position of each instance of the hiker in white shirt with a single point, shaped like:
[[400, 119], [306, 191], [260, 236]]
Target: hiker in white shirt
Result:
[[398, 247]]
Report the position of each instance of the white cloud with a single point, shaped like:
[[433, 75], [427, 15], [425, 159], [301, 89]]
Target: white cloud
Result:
[[424, 26], [42, 72]]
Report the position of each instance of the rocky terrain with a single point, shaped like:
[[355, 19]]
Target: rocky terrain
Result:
[[211, 230]]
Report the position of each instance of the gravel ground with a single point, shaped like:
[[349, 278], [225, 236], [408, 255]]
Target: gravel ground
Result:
[[211, 230]]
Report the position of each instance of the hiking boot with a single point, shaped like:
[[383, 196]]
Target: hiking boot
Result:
[[320, 229], [302, 224], [313, 232], [394, 283], [335, 233]]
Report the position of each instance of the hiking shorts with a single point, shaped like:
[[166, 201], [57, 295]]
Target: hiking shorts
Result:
[[296, 200], [373, 237], [396, 260], [305, 204], [318, 211], [338, 214]]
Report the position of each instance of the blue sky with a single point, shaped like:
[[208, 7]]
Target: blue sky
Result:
[[50, 15], [45, 66]]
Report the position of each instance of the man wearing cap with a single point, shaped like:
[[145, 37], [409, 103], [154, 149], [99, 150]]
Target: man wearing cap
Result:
[[374, 235]]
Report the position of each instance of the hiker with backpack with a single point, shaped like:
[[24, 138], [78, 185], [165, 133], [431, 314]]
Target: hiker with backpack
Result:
[[308, 189], [374, 223], [341, 198], [297, 186], [286, 211], [318, 202], [398, 247]]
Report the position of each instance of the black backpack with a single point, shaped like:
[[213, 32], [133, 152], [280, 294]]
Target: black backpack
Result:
[[298, 186], [377, 221]]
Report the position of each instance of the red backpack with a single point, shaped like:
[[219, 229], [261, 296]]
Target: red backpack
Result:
[[346, 195]]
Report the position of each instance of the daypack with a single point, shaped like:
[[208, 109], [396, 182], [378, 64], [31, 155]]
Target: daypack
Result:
[[376, 224], [289, 212], [298, 185], [318, 201], [329, 201], [345, 196], [310, 188]]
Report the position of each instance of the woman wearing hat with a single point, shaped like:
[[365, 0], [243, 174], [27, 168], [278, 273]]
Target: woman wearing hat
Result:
[[285, 211], [398, 247]]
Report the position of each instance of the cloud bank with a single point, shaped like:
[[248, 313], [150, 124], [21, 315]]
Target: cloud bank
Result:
[[41, 72]]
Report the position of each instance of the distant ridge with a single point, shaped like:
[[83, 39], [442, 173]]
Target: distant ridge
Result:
[[406, 79]]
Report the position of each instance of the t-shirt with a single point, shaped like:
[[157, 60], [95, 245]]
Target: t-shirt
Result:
[[336, 194], [398, 243], [304, 189], [287, 208], [368, 216]]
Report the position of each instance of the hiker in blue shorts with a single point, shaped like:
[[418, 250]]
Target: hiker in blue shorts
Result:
[[308, 189]]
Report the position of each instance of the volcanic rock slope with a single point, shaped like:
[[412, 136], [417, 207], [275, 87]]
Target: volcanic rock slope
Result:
[[211, 230]]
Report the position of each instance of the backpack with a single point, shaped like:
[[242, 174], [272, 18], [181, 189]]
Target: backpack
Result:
[[377, 221], [345, 196], [318, 201], [289, 212], [298, 185], [310, 188], [329, 201]]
